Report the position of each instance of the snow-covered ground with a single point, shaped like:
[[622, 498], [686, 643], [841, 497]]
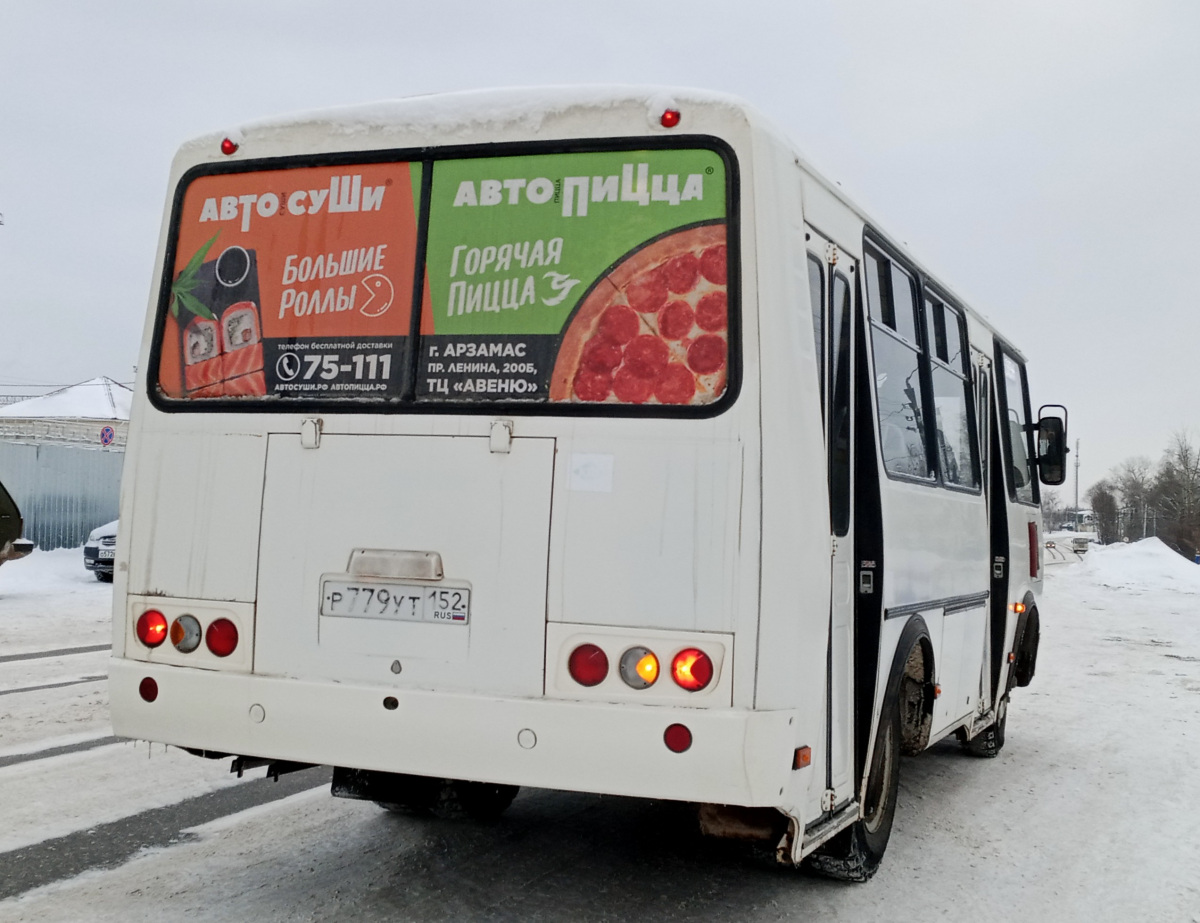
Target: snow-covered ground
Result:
[[1089, 813]]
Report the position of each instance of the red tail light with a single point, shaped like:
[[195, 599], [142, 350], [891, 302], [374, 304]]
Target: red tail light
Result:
[[692, 669], [221, 637], [588, 665], [151, 628]]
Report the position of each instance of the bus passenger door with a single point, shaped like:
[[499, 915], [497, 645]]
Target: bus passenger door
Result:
[[832, 276]]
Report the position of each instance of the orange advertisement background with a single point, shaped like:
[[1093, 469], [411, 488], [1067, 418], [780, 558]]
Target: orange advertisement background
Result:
[[282, 235]]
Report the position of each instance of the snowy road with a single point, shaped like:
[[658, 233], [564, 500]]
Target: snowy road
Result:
[[1090, 812]]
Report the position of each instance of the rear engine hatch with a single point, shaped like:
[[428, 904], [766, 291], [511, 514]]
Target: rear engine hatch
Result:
[[483, 516]]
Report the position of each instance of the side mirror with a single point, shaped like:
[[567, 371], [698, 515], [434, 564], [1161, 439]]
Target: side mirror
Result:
[[1052, 445]]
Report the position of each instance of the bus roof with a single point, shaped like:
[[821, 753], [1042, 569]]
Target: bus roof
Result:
[[530, 109]]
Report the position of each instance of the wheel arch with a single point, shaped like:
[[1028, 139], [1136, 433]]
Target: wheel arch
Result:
[[910, 686]]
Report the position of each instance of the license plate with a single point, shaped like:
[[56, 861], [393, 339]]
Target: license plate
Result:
[[403, 602], [107, 554]]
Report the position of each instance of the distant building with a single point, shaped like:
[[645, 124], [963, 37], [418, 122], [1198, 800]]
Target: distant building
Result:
[[61, 456]]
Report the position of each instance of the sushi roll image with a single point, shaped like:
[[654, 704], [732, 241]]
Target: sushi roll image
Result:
[[202, 354], [241, 340]]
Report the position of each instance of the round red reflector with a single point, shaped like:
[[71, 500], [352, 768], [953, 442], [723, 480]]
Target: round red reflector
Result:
[[677, 738], [692, 669], [151, 628], [588, 665], [670, 118], [228, 146], [148, 689], [221, 637]]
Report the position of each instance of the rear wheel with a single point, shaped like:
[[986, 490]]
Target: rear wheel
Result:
[[988, 742], [855, 853], [447, 798]]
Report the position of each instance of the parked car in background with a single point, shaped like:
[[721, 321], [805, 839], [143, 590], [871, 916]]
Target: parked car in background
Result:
[[12, 546], [100, 550]]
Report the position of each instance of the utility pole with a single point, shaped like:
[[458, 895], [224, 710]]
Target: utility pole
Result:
[[1077, 486]]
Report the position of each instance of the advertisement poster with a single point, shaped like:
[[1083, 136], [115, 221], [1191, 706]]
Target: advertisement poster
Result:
[[293, 284], [581, 277]]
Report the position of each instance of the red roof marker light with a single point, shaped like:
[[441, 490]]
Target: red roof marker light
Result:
[[670, 118], [229, 146]]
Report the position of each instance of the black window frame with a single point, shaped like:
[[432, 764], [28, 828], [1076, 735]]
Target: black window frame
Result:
[[408, 404], [1004, 350], [820, 319], [875, 248], [931, 290], [878, 246]]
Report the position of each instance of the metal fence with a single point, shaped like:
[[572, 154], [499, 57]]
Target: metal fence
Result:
[[63, 491]]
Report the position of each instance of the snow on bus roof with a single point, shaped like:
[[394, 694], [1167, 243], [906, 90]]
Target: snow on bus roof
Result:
[[97, 399], [446, 112], [529, 107]]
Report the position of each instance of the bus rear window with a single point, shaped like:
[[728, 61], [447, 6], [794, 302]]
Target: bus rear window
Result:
[[584, 278]]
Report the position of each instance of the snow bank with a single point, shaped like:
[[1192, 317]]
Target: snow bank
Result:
[[1144, 565]]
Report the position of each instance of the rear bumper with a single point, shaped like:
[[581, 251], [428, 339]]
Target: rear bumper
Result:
[[737, 756]]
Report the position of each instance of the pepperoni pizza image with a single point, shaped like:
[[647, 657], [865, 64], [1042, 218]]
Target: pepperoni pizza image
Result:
[[655, 330]]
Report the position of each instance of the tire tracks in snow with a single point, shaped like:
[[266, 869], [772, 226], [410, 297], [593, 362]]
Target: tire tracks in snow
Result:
[[112, 844]]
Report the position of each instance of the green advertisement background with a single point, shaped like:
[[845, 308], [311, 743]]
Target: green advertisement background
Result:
[[591, 243]]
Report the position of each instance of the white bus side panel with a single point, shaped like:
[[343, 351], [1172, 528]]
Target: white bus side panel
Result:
[[793, 627], [196, 503], [646, 527], [935, 548]]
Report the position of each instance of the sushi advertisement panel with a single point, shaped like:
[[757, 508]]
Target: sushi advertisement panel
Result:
[[292, 283]]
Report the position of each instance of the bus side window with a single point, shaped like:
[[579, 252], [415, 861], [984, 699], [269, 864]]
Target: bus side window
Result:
[[816, 297], [891, 298], [957, 454]]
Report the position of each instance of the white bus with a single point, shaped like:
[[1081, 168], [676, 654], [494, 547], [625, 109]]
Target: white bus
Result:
[[583, 439]]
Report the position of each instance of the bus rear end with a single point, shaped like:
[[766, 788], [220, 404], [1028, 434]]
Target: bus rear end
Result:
[[444, 460]]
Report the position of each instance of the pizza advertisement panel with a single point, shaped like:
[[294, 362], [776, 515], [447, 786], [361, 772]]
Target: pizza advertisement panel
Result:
[[582, 277], [595, 278]]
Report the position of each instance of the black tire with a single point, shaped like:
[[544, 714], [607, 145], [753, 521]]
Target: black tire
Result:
[[103, 577], [988, 742], [485, 801], [1027, 651], [855, 853]]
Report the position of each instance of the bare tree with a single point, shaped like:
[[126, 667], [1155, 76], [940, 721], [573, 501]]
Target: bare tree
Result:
[[1177, 492], [1103, 498], [1134, 480], [1052, 510]]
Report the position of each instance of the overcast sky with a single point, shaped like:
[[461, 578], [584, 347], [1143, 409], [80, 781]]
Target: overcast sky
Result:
[[1040, 157]]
